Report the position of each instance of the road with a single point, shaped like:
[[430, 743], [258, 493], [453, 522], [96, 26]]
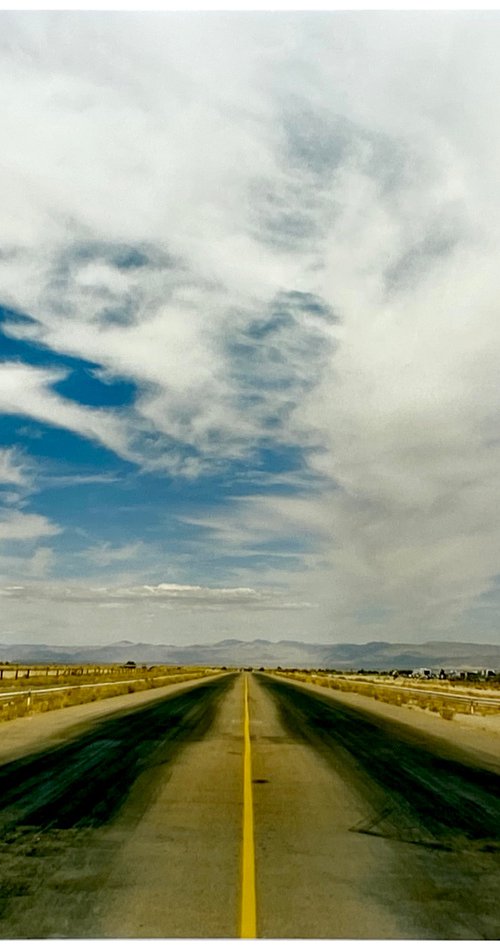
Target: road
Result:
[[157, 819]]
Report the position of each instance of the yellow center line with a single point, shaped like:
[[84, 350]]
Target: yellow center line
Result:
[[248, 902]]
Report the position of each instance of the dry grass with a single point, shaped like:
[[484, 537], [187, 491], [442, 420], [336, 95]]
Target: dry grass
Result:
[[446, 707], [26, 705], [58, 677]]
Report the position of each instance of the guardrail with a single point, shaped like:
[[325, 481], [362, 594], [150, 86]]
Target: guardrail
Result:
[[30, 694], [106, 683], [25, 671], [467, 702], [442, 694]]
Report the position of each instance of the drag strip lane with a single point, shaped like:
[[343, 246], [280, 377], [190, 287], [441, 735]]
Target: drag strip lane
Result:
[[426, 790], [66, 813], [84, 781], [366, 827]]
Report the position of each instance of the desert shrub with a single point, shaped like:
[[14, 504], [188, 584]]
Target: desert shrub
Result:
[[423, 702], [446, 707], [321, 681], [41, 703]]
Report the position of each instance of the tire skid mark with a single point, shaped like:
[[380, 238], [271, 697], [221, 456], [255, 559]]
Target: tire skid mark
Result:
[[85, 781], [425, 797], [65, 813]]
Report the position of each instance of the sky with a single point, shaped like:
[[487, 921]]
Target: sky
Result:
[[249, 327]]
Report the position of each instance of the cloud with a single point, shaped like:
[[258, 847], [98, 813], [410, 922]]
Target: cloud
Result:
[[20, 530], [152, 296], [13, 470], [20, 526], [105, 554], [37, 565], [68, 481], [278, 525], [290, 239], [176, 596], [26, 390], [38, 611], [42, 562]]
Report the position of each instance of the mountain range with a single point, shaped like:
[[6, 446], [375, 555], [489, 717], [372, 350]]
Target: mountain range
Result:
[[375, 655]]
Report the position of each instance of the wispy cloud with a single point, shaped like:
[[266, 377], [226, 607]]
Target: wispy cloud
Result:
[[37, 565], [164, 594], [291, 239], [105, 554], [13, 469], [27, 391], [68, 481], [19, 526]]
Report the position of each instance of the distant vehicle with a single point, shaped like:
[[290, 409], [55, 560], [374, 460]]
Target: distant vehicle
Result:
[[130, 665], [422, 673]]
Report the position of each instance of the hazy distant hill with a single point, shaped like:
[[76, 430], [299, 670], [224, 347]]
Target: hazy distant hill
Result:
[[376, 655]]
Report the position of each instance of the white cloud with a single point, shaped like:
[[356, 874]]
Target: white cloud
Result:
[[34, 566], [164, 201], [67, 481], [264, 521], [20, 526], [176, 596], [58, 613], [175, 183], [26, 390], [105, 554], [19, 530], [42, 562], [13, 470]]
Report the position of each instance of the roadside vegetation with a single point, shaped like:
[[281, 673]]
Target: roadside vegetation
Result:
[[400, 694], [84, 687]]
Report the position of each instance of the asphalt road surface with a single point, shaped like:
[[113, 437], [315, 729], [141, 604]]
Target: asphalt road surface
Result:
[[132, 825]]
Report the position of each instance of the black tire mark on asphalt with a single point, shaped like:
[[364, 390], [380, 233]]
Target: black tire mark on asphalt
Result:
[[84, 782], [430, 796]]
